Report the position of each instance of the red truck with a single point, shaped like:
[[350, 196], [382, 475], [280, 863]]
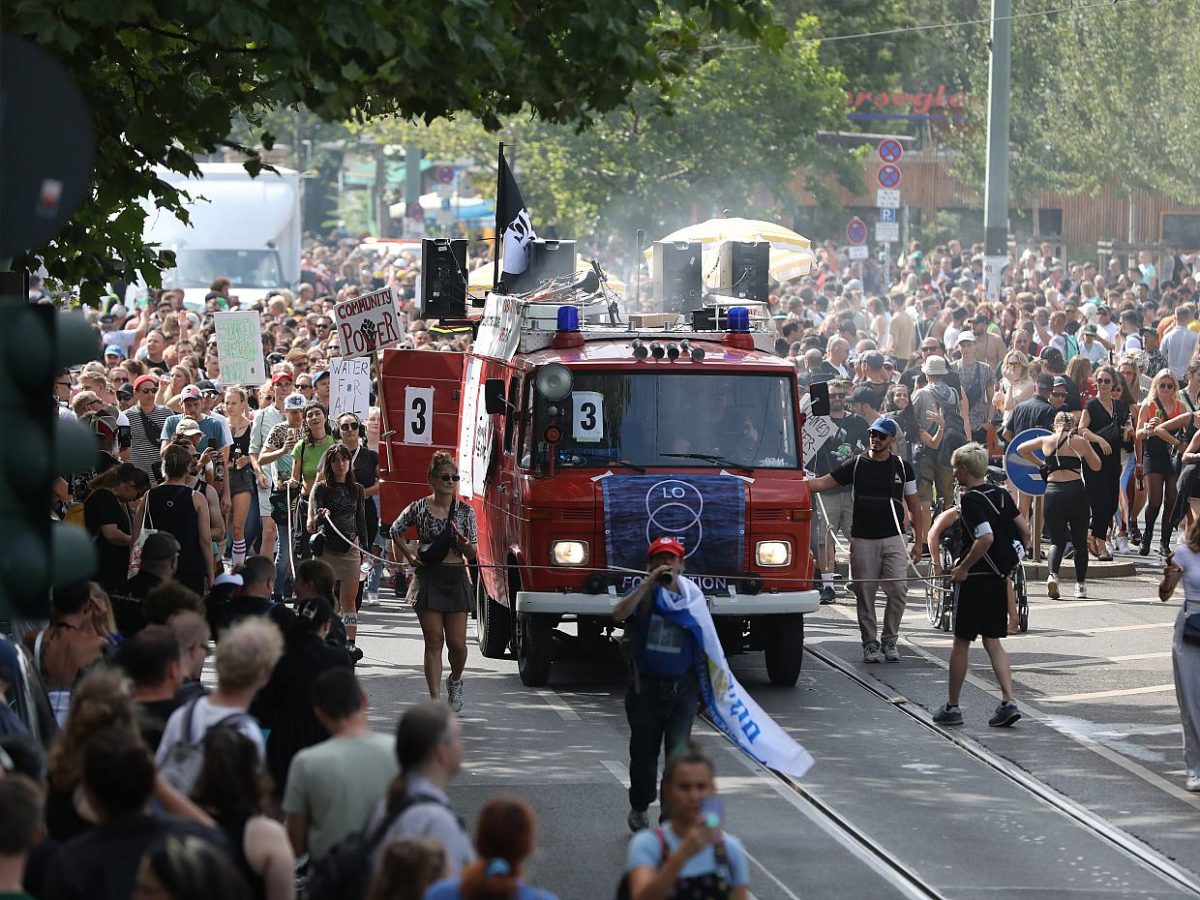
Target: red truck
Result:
[[580, 439]]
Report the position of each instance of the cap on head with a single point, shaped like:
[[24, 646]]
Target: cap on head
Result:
[[160, 547], [191, 392], [319, 376], [665, 545], [863, 394], [935, 365], [187, 427], [884, 425], [873, 359], [965, 338], [145, 379], [295, 401], [279, 377], [208, 388], [114, 350]]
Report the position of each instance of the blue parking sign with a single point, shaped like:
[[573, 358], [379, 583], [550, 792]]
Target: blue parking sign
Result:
[[1022, 474], [887, 214]]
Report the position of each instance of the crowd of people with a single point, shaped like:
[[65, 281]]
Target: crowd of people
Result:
[[247, 517]]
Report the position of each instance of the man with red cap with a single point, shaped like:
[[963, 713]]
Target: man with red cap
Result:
[[663, 693], [146, 422]]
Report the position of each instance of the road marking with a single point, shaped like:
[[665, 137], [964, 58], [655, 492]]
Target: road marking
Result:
[[1102, 629], [1075, 605], [1099, 695], [1117, 759], [1071, 663], [618, 771], [558, 704]]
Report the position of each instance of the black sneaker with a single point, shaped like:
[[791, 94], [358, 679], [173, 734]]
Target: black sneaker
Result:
[[827, 595], [355, 653], [637, 820], [948, 715], [1006, 714]]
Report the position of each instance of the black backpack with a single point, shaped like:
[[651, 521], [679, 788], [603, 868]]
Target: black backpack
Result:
[[1002, 556], [344, 873]]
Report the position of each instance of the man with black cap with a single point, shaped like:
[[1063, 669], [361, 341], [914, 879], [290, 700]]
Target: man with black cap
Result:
[[160, 559], [883, 484], [663, 693], [874, 377], [1052, 362]]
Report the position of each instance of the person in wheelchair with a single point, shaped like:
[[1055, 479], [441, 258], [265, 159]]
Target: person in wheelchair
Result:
[[988, 523]]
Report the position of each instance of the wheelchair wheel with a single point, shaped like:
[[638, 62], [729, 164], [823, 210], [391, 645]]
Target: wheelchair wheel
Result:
[[1021, 589], [933, 599], [945, 622]]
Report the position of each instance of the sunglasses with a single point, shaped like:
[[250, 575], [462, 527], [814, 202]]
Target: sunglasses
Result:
[[147, 391], [1104, 381], [63, 383], [349, 426], [1058, 393], [1166, 387], [448, 478]]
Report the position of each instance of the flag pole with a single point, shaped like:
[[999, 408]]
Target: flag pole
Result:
[[499, 205]]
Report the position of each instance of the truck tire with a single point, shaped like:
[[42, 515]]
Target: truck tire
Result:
[[785, 652], [534, 635], [493, 624]]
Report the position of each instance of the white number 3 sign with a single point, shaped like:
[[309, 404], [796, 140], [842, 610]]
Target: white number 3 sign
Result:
[[418, 415], [588, 420]]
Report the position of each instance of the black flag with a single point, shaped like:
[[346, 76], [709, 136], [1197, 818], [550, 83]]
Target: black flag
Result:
[[512, 218]]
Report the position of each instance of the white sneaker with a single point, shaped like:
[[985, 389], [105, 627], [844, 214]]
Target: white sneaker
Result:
[[1193, 783], [370, 598], [454, 690], [1052, 587], [1080, 591], [1123, 545]]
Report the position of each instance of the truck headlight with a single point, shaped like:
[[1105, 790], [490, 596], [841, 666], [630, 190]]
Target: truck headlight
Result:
[[773, 553], [569, 553]]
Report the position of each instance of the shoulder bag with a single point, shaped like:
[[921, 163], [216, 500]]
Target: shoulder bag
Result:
[[135, 549], [435, 551]]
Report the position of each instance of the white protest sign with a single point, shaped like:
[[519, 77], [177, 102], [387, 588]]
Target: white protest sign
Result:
[[349, 387], [817, 430], [367, 323], [418, 415], [500, 328], [239, 347]]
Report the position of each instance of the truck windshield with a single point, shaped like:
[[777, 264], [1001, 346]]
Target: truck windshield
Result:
[[245, 268], [688, 420]]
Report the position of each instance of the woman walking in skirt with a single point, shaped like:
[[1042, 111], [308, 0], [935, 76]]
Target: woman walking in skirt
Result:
[[440, 592]]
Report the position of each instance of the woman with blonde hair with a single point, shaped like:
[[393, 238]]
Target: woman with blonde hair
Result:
[[1016, 383], [1067, 511], [407, 869], [1153, 446], [169, 389]]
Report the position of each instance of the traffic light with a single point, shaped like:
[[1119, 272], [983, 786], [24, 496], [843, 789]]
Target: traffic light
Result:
[[36, 341]]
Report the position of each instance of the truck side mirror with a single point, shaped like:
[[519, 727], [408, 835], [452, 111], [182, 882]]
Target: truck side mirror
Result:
[[819, 393], [494, 402]]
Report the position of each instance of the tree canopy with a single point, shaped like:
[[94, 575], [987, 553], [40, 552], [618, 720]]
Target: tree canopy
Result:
[[166, 80]]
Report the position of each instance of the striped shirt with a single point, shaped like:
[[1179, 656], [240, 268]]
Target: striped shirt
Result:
[[144, 451]]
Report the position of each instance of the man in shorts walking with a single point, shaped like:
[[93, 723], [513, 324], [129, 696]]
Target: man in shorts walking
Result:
[[990, 523]]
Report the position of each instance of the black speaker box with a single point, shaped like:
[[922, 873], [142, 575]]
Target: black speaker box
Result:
[[547, 259], [678, 279], [743, 270], [443, 278]]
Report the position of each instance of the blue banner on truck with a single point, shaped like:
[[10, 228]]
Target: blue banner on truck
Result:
[[706, 513]]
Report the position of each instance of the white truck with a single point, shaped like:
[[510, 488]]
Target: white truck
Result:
[[246, 229]]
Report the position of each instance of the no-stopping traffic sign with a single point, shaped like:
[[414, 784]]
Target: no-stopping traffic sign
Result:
[[856, 231], [890, 150], [889, 175]]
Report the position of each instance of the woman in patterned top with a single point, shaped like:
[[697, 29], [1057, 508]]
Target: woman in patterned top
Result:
[[337, 499], [440, 592]]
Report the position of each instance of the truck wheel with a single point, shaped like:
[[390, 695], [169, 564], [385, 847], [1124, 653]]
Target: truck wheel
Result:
[[534, 637], [785, 653], [493, 624]]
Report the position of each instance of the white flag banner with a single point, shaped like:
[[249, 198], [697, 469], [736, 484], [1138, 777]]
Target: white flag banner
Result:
[[732, 709]]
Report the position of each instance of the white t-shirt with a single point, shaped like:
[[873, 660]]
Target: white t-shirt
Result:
[[206, 715]]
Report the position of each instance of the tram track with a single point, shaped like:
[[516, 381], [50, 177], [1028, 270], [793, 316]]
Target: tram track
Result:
[[1174, 874]]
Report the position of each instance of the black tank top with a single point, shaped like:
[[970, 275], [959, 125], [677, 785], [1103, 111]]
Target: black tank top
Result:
[[170, 509], [1056, 463]]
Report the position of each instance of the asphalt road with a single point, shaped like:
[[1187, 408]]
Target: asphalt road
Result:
[[913, 813]]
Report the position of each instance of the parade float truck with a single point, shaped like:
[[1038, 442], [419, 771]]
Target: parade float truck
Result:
[[581, 437]]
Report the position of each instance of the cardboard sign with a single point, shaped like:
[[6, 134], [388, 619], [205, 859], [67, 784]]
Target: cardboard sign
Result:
[[368, 323], [817, 430], [500, 328], [239, 347], [349, 387]]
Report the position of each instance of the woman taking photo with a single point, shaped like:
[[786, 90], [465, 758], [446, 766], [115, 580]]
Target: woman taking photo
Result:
[[1016, 384], [1067, 511], [691, 855], [1105, 422], [176, 508], [337, 508], [242, 487], [306, 455], [1184, 565], [231, 789], [106, 516], [1153, 446], [364, 462], [440, 593]]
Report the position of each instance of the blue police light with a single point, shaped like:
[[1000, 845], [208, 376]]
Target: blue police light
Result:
[[739, 319], [568, 318]]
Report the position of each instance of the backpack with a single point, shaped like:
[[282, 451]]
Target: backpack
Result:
[[956, 429], [184, 760], [344, 873], [1002, 556]]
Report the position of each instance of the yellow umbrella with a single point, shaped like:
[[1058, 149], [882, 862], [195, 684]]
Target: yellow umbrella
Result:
[[791, 255], [481, 279]]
